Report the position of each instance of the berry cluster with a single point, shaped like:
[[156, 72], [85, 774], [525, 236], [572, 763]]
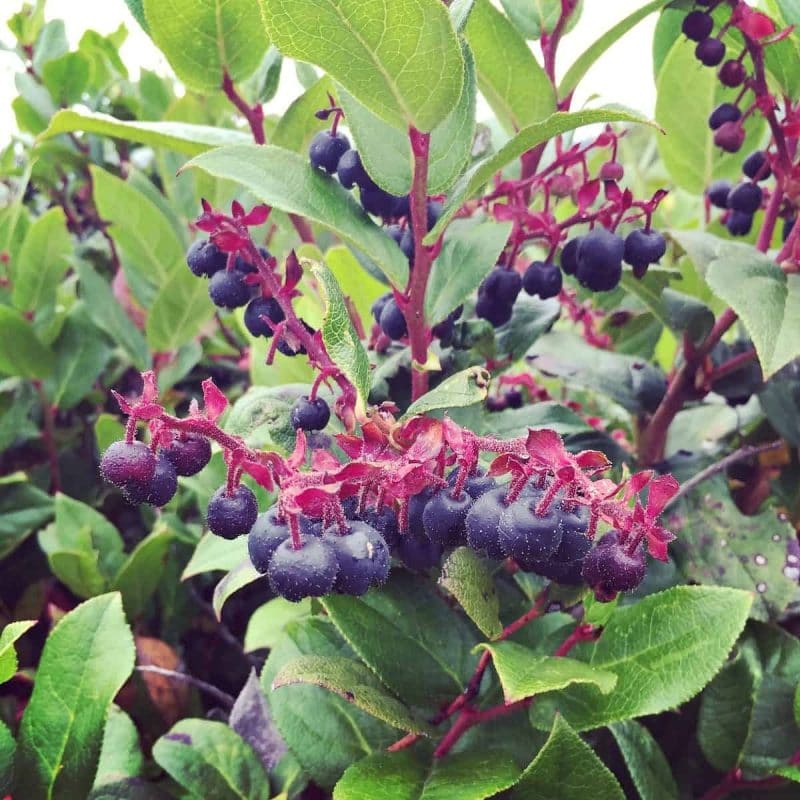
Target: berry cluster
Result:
[[743, 200]]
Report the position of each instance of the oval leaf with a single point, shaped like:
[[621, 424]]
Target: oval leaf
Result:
[[468, 577], [462, 389]]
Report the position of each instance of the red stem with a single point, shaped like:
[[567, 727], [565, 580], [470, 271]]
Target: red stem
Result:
[[253, 114]]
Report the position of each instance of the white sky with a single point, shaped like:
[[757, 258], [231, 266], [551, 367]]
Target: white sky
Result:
[[623, 75]]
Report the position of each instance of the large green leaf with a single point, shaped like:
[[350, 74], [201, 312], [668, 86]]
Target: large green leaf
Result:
[[86, 659], [353, 682], [465, 388], [664, 650], [213, 553], [400, 58], [480, 174], [408, 776], [385, 150], [469, 578], [28, 358], [182, 137], [766, 299], [8, 655], [204, 38], [532, 318], [356, 283], [139, 575], [424, 651], [23, 509], [120, 755], [325, 733], [566, 768], [287, 181], [645, 760], [266, 624], [509, 77], [210, 760]]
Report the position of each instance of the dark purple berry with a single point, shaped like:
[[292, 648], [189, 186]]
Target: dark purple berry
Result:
[[392, 321], [377, 306], [756, 166], [502, 284], [418, 552], [710, 52], [256, 310], [493, 310], [434, 211], [351, 171], [649, 385], [612, 171], [609, 568], [542, 278], [729, 137], [232, 515], [227, 289], [378, 202], [416, 508], [643, 248], [526, 536], [189, 453], [732, 74], [362, 555], [205, 258], [326, 149], [294, 349], [739, 223], [404, 239], [444, 516], [269, 531], [444, 330], [600, 260], [717, 193], [514, 398], [159, 490], [569, 256], [402, 206], [697, 25], [127, 462], [384, 520], [309, 571], [475, 485], [725, 112], [309, 415], [745, 197], [483, 521]]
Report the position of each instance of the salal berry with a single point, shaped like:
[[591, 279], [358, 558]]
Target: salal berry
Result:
[[609, 568], [417, 551], [269, 531], [205, 258], [380, 203], [542, 278], [493, 310], [569, 256], [392, 321], [745, 197], [739, 223], [526, 536], [756, 166], [362, 555], [514, 398], [732, 74], [483, 523], [725, 112], [718, 192], [564, 566], [232, 515], [697, 25], [227, 289], [404, 239], [729, 137], [710, 52], [309, 571], [612, 171], [643, 248], [291, 349], [475, 485], [326, 149], [497, 294], [351, 171], [378, 305], [444, 517], [600, 260], [258, 311], [434, 210], [125, 462], [384, 520], [189, 453], [159, 490], [309, 415]]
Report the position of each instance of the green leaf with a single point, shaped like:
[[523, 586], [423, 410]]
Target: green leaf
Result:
[[589, 57], [682, 109], [8, 747], [645, 760], [533, 18], [424, 651], [51, 43], [509, 77], [340, 337], [356, 283], [129, 789], [400, 58], [532, 317], [182, 137], [406, 776], [468, 577], [462, 389], [287, 181], [261, 415], [42, 262], [267, 622], [8, 655], [720, 545], [480, 174], [663, 649], [180, 308], [262, 85], [298, 124], [766, 299], [23, 509], [215, 553], [385, 150], [211, 760], [120, 754], [324, 733], [554, 774], [240, 576], [355, 683], [28, 358], [67, 77], [524, 674], [136, 7], [85, 661], [81, 355], [469, 252], [141, 572], [202, 39]]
